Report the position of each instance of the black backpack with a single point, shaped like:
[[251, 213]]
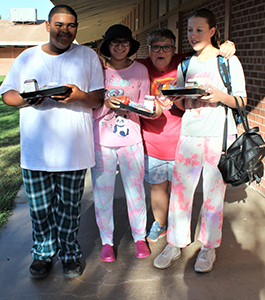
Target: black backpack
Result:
[[242, 161]]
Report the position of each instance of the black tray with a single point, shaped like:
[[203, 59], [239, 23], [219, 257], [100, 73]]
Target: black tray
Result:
[[133, 109], [59, 90], [192, 93]]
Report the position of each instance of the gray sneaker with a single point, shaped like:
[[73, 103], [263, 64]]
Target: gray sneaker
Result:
[[169, 254], [205, 260]]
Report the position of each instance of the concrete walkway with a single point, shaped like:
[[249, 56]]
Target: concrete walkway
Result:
[[238, 274]]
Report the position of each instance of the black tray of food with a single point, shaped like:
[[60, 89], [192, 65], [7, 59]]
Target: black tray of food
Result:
[[136, 110], [191, 93], [59, 90]]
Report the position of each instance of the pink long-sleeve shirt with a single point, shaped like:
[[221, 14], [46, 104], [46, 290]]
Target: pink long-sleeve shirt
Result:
[[121, 128]]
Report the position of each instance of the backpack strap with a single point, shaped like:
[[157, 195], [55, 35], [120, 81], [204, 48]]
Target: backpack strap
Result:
[[184, 66], [224, 70]]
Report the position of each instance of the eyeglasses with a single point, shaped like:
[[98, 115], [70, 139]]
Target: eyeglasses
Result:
[[157, 48], [123, 43]]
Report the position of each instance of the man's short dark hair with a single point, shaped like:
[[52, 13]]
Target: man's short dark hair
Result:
[[160, 34], [62, 9]]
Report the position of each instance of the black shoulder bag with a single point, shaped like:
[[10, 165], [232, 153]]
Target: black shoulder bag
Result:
[[242, 161]]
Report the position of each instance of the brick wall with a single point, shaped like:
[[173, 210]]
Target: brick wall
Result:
[[217, 7], [142, 38], [5, 65], [10, 52], [248, 33], [7, 56]]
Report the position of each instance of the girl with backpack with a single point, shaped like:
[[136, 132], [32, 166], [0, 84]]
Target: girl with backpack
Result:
[[200, 145]]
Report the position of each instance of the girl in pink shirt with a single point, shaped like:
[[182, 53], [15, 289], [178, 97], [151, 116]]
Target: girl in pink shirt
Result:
[[118, 139]]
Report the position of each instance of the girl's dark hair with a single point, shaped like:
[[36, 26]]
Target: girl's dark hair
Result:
[[210, 17], [62, 9]]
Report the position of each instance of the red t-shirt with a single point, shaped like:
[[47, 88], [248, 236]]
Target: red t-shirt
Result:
[[161, 135]]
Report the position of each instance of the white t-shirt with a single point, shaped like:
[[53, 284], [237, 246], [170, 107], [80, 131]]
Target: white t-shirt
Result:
[[56, 136], [202, 118]]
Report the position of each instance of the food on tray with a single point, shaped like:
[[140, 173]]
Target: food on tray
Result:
[[168, 86], [191, 90], [190, 84], [125, 100], [149, 102], [139, 106], [31, 85], [145, 109]]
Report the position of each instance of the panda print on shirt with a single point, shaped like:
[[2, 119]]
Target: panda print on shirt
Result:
[[116, 121], [120, 125]]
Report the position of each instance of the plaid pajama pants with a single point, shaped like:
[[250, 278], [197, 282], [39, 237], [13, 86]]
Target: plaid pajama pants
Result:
[[55, 209]]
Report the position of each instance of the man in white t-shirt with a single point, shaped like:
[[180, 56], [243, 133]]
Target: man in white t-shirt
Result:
[[57, 143]]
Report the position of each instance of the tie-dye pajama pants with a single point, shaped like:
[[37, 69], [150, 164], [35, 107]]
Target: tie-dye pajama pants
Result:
[[131, 164], [193, 156]]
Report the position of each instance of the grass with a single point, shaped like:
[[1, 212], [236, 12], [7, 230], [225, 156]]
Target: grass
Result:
[[10, 172]]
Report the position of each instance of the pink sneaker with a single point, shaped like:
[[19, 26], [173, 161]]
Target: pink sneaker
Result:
[[107, 253], [142, 249]]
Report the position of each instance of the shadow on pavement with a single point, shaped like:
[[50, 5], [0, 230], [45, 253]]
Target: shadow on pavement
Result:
[[238, 271]]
